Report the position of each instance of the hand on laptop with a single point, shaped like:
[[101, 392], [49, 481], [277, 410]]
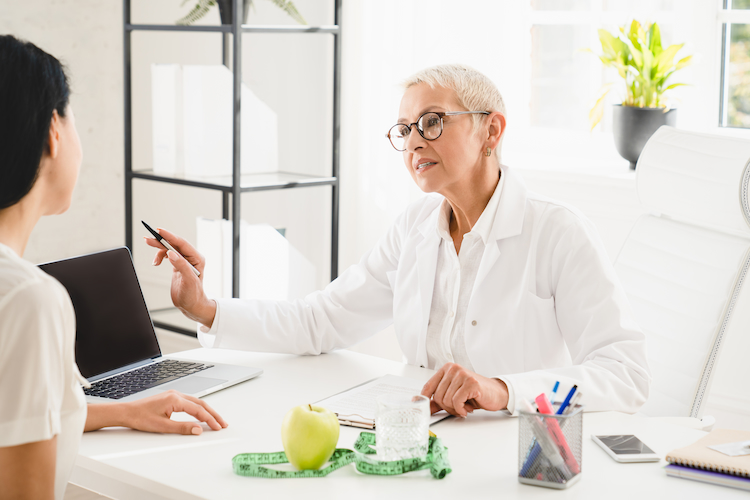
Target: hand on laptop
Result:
[[187, 288], [153, 414]]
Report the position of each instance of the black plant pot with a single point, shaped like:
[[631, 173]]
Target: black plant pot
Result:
[[632, 128], [226, 10]]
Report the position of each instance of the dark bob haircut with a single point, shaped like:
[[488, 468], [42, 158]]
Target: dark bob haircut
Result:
[[32, 85]]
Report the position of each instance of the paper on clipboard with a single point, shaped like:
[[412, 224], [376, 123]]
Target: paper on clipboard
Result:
[[356, 407]]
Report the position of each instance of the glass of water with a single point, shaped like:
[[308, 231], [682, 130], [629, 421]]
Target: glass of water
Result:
[[402, 426]]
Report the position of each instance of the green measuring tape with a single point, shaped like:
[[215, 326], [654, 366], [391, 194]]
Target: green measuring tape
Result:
[[252, 464]]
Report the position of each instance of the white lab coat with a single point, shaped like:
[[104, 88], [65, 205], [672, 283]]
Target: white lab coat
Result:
[[546, 304]]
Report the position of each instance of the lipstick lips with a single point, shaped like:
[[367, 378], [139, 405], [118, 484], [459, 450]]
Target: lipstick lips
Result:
[[422, 163]]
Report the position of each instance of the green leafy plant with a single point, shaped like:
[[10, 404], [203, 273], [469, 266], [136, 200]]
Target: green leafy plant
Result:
[[642, 63], [202, 7]]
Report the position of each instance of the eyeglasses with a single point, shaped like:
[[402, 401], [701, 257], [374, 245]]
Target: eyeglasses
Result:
[[429, 126]]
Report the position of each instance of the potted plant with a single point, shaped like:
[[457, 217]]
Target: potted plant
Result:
[[645, 67], [202, 7]]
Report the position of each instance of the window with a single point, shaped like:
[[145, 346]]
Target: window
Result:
[[735, 64]]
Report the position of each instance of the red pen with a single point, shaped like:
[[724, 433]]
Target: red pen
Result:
[[545, 407]]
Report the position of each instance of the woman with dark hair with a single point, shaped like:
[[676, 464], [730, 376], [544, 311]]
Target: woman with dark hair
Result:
[[42, 406]]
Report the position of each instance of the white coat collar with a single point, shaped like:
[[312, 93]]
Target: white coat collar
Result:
[[508, 221]]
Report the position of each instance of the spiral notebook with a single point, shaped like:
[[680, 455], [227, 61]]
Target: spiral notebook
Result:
[[699, 456]]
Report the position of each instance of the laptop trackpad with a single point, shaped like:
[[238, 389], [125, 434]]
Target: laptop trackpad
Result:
[[191, 385]]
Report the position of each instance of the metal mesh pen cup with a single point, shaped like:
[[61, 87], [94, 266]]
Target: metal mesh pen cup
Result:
[[549, 448]]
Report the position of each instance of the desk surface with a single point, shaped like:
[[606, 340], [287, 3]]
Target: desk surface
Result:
[[127, 464]]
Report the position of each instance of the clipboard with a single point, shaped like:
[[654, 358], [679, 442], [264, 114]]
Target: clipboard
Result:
[[356, 407]]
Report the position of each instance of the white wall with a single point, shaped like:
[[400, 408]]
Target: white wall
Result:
[[86, 35]]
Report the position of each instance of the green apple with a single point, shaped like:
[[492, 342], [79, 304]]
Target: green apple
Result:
[[310, 435]]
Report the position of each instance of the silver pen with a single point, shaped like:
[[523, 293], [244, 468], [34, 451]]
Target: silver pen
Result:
[[166, 245]]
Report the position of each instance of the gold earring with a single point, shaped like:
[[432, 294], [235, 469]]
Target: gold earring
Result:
[[488, 152]]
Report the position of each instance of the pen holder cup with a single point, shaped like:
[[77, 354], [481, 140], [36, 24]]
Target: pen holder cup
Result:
[[550, 448]]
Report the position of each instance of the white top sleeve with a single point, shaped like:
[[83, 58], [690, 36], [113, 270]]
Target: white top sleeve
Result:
[[32, 327], [40, 395]]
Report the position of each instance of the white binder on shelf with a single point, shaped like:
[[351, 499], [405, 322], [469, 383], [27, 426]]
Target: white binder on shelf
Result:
[[192, 123], [166, 118], [270, 267]]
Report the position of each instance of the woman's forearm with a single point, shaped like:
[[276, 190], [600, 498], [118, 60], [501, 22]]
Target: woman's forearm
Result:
[[105, 415]]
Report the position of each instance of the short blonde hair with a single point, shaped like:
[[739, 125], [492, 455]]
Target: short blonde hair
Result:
[[474, 91]]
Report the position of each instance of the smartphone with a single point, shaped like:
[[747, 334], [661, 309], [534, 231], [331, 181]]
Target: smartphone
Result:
[[626, 448]]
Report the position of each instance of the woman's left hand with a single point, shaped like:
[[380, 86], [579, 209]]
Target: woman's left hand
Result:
[[460, 391], [153, 414]]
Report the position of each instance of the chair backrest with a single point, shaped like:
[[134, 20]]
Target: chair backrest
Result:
[[683, 265]]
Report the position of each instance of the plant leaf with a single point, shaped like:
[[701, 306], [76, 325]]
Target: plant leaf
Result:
[[675, 85], [288, 7], [655, 40], [665, 60], [633, 34], [685, 61], [196, 13], [597, 110], [607, 41], [637, 59], [648, 64]]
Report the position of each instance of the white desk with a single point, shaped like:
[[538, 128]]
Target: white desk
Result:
[[126, 464]]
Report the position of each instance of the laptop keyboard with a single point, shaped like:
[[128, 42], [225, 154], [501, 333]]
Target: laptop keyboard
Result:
[[149, 376]]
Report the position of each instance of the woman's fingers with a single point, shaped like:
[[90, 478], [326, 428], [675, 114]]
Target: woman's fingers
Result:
[[183, 246], [453, 389], [429, 388], [181, 265], [198, 411], [223, 423], [167, 426], [161, 251], [434, 407], [437, 386], [153, 414], [468, 390], [180, 244]]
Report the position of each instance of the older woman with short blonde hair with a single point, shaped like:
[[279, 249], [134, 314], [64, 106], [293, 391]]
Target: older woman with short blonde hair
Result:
[[503, 292]]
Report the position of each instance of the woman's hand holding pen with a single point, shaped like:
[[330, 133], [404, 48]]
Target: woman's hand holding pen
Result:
[[460, 391], [187, 288]]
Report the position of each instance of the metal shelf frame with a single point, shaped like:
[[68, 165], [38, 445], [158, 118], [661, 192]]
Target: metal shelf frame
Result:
[[232, 37]]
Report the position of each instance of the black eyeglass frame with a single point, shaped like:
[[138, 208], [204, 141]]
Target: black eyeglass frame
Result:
[[440, 114]]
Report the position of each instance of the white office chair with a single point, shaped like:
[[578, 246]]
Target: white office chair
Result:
[[683, 265]]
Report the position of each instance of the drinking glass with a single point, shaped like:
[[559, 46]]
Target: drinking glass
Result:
[[402, 426]]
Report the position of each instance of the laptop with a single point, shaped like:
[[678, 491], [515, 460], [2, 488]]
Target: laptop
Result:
[[116, 347]]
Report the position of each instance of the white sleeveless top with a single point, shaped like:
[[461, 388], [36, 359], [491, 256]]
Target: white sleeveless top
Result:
[[40, 385]]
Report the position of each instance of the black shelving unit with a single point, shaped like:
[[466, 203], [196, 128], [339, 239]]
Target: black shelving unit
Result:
[[233, 186]]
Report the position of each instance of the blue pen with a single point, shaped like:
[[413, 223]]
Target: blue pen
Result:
[[531, 459], [567, 400], [554, 392]]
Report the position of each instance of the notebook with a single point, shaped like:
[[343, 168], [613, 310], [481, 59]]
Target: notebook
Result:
[[116, 346], [707, 476], [700, 457]]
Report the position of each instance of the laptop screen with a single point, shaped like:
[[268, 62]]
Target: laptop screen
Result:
[[113, 327]]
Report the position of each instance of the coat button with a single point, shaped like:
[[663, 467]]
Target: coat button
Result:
[[421, 366], [474, 323]]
